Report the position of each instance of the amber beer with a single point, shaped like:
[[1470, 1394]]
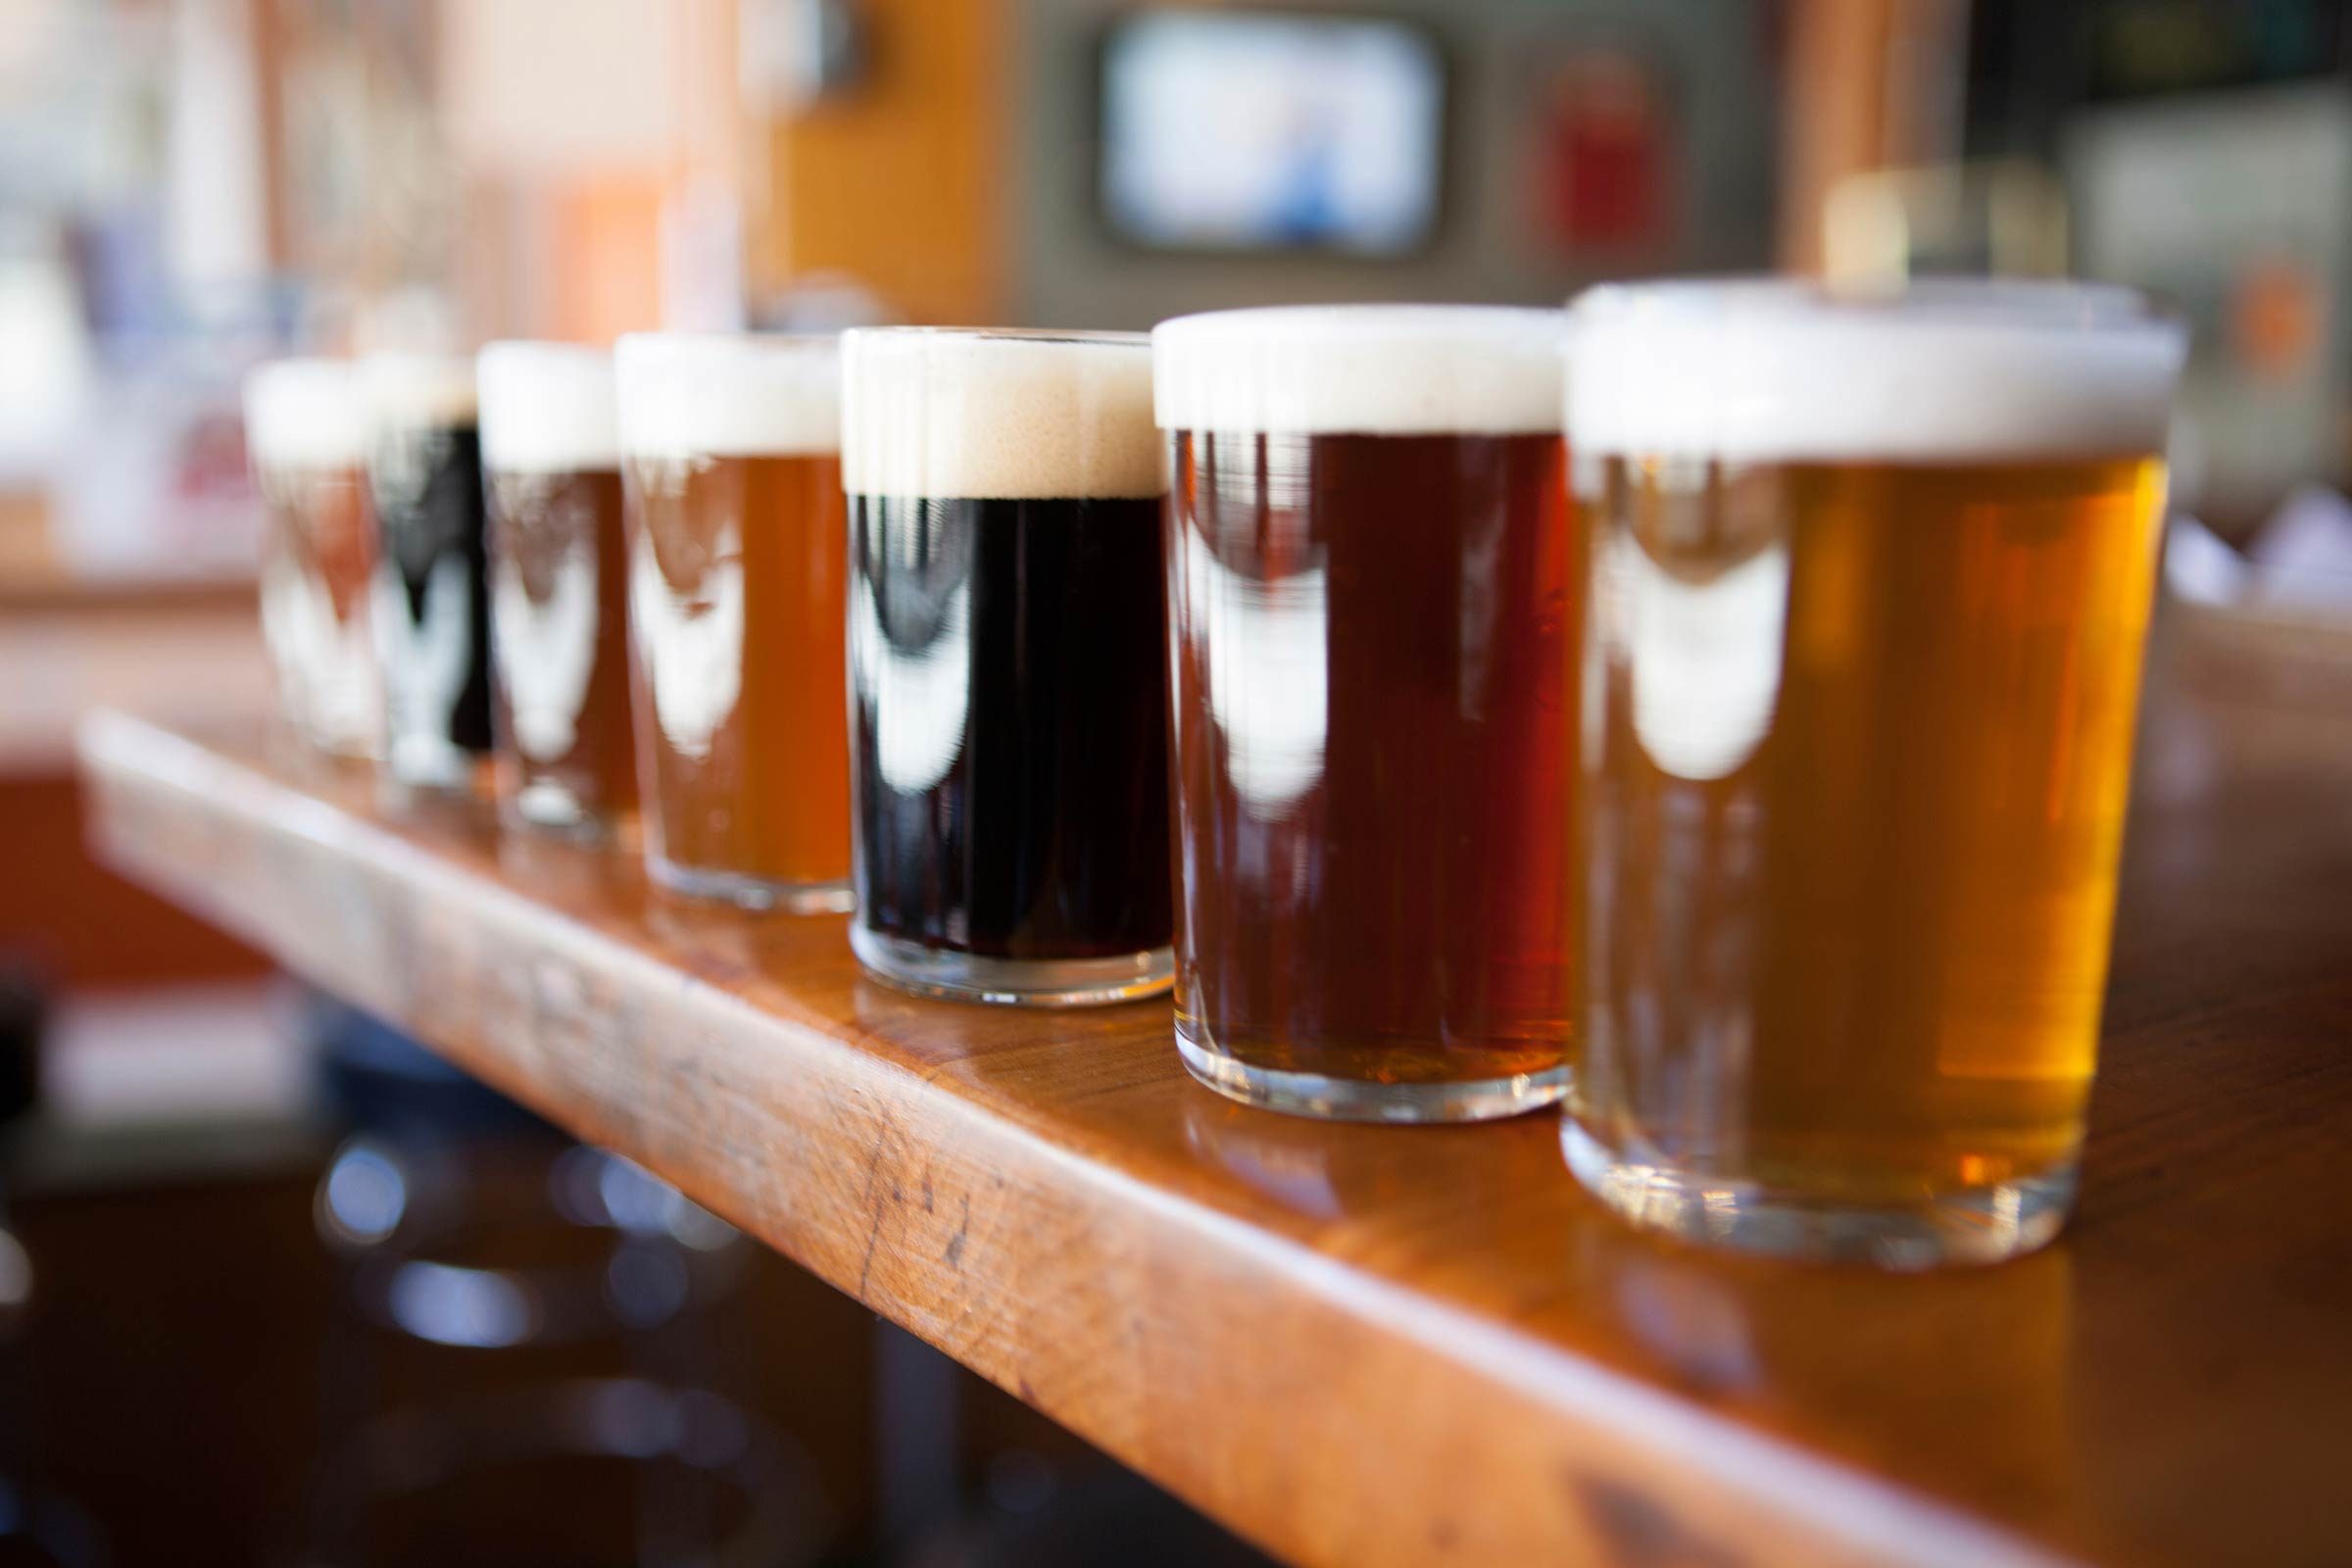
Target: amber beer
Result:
[[566, 757], [737, 578], [431, 600], [1368, 581], [306, 430], [1869, 587], [1008, 664]]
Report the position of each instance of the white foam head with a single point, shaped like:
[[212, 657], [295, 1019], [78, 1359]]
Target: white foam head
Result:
[[728, 394], [1361, 370], [1783, 371], [407, 391], [547, 408], [304, 413], [998, 415]]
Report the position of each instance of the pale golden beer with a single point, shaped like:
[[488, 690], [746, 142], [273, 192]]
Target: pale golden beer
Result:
[[306, 431], [737, 580], [1869, 588]]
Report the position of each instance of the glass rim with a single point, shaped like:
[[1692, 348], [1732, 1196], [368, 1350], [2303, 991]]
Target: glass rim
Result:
[[2077, 306], [1010, 334]]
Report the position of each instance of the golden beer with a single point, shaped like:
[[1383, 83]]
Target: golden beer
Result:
[[1858, 695], [306, 431]]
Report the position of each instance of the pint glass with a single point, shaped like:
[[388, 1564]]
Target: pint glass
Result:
[[1008, 664], [1868, 584], [732, 480], [431, 604], [307, 432], [1368, 582]]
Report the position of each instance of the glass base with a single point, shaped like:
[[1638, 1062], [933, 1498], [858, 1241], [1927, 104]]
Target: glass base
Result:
[[431, 763], [748, 892], [1013, 982], [1310, 1094], [544, 807], [1974, 1225]]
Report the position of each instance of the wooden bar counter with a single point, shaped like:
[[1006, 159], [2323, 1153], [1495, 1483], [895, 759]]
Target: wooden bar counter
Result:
[[1370, 1346]]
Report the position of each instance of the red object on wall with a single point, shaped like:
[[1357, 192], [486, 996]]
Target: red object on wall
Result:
[[1606, 156]]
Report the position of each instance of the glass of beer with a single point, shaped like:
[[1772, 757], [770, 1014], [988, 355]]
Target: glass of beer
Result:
[[1369, 590], [559, 587], [1008, 664], [307, 432], [731, 476], [1868, 582], [431, 608]]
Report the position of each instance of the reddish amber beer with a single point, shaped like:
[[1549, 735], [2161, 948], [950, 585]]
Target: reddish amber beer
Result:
[[567, 759], [1869, 583], [1367, 575], [306, 430], [737, 580]]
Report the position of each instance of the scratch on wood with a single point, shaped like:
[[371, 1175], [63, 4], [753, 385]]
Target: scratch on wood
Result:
[[1636, 1531], [964, 1229]]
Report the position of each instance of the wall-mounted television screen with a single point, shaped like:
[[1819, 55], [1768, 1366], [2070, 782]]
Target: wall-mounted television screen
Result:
[[1242, 130]]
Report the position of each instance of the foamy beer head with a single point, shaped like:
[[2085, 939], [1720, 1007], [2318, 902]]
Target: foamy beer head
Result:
[[305, 415], [1942, 372], [547, 408], [410, 395], [1360, 369], [998, 415], [728, 395]]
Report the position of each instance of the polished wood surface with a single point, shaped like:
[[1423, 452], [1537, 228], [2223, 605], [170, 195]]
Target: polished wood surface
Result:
[[1372, 1345]]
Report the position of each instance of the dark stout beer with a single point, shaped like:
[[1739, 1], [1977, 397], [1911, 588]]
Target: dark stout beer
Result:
[[736, 582], [1008, 664], [306, 430], [431, 602], [1368, 565], [558, 585]]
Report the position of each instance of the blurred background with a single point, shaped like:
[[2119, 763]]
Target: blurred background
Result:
[[273, 1287]]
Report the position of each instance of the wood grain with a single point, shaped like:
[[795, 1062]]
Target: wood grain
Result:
[[1375, 1346]]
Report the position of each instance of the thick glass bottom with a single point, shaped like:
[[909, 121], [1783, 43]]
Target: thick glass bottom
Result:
[[748, 892], [1332, 1099], [1971, 1225], [1013, 982], [543, 806], [431, 763]]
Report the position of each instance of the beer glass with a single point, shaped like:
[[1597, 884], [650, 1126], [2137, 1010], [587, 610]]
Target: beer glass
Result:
[[307, 434], [1008, 664], [431, 604], [559, 587], [1868, 582], [1368, 582], [736, 578]]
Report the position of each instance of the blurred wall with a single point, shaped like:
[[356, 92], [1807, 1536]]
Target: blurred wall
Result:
[[1713, 58], [897, 177]]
